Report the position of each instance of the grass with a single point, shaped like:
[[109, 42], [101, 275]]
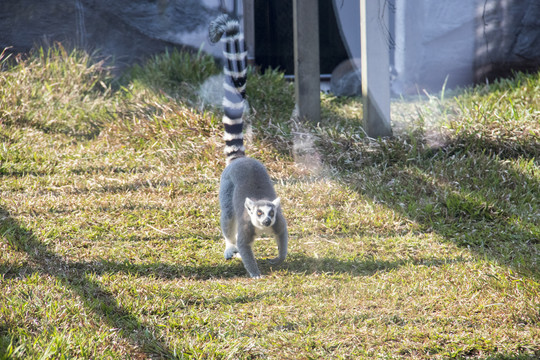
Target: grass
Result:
[[421, 246]]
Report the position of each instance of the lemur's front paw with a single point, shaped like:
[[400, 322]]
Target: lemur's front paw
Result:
[[230, 252]]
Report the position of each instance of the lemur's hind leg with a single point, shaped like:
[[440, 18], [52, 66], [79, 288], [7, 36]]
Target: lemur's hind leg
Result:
[[229, 228]]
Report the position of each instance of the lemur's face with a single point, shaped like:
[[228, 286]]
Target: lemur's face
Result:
[[262, 212]]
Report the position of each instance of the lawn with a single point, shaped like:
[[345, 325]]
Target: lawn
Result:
[[420, 246]]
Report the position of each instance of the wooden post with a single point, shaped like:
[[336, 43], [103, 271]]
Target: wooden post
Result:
[[306, 59], [375, 67], [249, 29]]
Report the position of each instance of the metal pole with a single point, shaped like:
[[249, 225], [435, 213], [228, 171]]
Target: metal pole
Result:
[[306, 59], [249, 29]]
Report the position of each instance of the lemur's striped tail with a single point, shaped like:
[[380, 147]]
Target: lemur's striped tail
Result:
[[228, 30]]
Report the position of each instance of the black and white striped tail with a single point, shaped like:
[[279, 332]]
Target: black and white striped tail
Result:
[[228, 30]]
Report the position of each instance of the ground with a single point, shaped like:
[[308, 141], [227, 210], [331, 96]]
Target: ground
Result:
[[420, 246]]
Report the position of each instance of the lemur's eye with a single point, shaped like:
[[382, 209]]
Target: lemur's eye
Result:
[[259, 212], [271, 213]]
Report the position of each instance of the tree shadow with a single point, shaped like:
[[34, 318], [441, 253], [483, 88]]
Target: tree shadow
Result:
[[464, 210], [301, 264], [74, 277], [296, 263], [500, 356]]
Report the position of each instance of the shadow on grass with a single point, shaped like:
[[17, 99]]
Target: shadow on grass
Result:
[[301, 264], [74, 277], [459, 197], [296, 263], [511, 357]]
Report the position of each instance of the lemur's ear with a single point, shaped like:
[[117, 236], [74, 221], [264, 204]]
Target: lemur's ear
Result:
[[249, 204], [276, 202]]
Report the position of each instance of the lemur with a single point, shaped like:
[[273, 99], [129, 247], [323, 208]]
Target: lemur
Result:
[[248, 201]]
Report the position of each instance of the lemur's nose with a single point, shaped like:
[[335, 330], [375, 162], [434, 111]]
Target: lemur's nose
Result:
[[267, 221]]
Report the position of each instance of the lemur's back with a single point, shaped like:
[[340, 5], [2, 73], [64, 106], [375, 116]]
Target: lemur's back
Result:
[[247, 177]]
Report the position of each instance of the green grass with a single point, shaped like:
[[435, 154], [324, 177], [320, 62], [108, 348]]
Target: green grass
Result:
[[421, 246]]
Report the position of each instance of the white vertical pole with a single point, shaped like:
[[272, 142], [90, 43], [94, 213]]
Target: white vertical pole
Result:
[[306, 59], [375, 56]]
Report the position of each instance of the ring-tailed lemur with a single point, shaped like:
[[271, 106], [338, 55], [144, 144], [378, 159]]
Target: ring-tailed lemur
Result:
[[249, 205]]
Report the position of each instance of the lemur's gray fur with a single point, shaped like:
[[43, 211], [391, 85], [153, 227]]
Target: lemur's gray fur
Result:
[[249, 204], [249, 207]]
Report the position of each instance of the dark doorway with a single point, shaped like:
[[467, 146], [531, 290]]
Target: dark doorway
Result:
[[274, 36]]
